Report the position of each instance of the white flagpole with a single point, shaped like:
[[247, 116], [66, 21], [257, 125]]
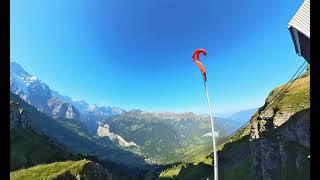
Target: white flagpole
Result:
[[215, 156]]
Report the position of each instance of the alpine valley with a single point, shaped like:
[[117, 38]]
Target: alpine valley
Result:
[[75, 139]]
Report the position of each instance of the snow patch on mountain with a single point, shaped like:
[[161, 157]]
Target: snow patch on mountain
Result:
[[17, 86], [92, 107]]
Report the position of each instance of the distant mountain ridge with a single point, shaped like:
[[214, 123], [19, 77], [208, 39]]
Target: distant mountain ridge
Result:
[[40, 95], [243, 116], [166, 136]]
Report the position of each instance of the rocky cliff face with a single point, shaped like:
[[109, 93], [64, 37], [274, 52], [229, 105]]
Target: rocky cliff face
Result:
[[103, 131], [93, 170], [62, 109], [280, 135], [283, 153]]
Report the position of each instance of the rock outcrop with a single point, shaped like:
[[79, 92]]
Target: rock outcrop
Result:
[[89, 171], [62, 109], [103, 131]]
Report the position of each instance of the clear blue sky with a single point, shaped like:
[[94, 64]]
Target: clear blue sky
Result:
[[137, 54]]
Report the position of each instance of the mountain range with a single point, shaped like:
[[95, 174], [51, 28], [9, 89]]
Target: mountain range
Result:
[[109, 142], [137, 131], [38, 94], [131, 139], [38, 154]]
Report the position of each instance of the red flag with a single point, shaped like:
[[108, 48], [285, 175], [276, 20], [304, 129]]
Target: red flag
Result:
[[196, 54], [202, 69], [196, 59]]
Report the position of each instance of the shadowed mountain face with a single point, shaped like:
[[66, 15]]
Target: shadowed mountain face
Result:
[[27, 146]]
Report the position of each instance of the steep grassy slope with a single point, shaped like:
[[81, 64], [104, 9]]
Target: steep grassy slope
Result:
[[83, 169]]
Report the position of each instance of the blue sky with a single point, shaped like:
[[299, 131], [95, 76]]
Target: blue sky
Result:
[[137, 54]]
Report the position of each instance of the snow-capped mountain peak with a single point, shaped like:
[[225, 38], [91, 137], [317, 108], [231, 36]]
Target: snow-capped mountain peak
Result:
[[92, 107], [35, 92], [17, 69], [29, 87]]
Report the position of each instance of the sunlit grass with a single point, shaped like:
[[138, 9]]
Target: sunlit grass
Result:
[[48, 171]]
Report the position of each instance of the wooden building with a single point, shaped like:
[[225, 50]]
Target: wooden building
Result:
[[299, 28]]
